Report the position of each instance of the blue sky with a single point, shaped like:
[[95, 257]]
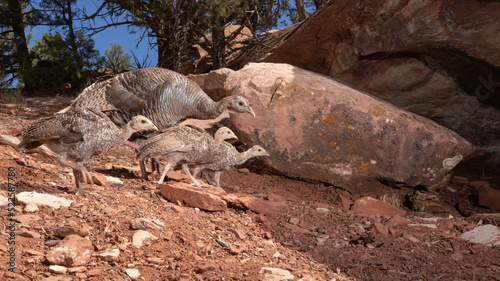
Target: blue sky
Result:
[[119, 35]]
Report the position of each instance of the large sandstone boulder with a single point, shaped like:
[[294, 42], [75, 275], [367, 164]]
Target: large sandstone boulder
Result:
[[439, 59], [317, 128]]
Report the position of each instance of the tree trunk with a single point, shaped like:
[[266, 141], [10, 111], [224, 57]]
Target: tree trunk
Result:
[[71, 34], [21, 46], [218, 56], [301, 10]]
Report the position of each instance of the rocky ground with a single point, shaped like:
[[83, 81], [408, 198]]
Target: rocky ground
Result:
[[312, 231]]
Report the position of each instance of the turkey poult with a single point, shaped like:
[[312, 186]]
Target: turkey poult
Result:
[[224, 158], [164, 96], [183, 144], [79, 135]]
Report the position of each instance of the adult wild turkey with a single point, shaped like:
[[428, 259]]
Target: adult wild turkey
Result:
[[183, 144], [224, 157], [164, 96], [80, 134]]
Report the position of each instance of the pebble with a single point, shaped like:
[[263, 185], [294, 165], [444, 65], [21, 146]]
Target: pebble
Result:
[[34, 252], [114, 181], [3, 202], [133, 273], [141, 238], [109, 255], [144, 224], [77, 269], [66, 230], [155, 260], [321, 209], [31, 208], [275, 274], [428, 225], [238, 233], [28, 233], [204, 268], [59, 269]]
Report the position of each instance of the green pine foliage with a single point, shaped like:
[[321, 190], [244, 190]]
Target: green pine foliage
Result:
[[54, 64], [116, 59]]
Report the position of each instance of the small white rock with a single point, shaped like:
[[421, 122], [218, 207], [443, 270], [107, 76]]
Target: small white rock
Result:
[[43, 199], [434, 219], [133, 273], [109, 255], [3, 202], [59, 269], [433, 226], [31, 208], [451, 189], [276, 274]]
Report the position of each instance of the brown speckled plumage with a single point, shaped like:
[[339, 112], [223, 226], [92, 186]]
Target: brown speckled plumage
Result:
[[78, 135], [183, 144], [224, 157], [164, 96]]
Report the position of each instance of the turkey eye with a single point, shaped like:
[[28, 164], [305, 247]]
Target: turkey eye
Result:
[[259, 150], [143, 121], [240, 103]]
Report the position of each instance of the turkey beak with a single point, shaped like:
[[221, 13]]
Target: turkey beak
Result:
[[250, 110], [154, 127]]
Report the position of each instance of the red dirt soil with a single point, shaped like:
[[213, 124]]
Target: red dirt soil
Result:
[[312, 235]]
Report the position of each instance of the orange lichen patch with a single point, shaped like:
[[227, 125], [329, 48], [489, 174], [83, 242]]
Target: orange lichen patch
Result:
[[349, 127], [328, 120], [402, 120], [377, 110], [363, 169], [332, 143], [341, 119], [353, 147], [319, 138]]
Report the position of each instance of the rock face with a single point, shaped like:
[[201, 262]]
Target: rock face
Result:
[[213, 82], [317, 128], [489, 197], [439, 59]]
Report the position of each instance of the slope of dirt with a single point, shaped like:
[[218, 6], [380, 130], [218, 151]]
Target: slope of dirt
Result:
[[313, 235]]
